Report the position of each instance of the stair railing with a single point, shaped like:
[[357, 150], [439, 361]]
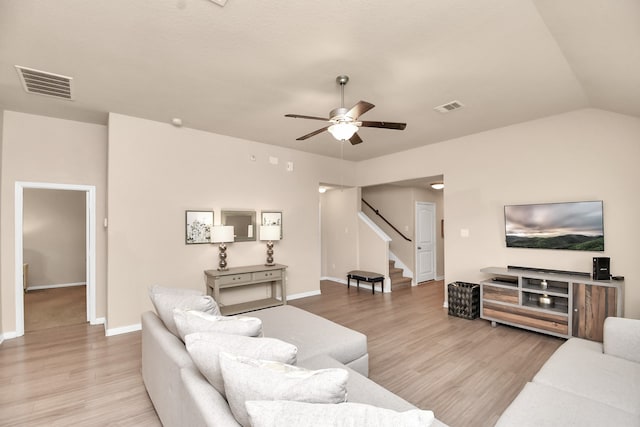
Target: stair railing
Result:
[[377, 212]]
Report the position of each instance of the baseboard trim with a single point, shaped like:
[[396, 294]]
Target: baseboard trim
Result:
[[303, 295], [123, 330], [8, 336], [61, 285], [99, 321], [365, 285]]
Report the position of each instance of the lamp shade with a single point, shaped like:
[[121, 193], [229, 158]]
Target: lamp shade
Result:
[[343, 131], [270, 232], [222, 234]]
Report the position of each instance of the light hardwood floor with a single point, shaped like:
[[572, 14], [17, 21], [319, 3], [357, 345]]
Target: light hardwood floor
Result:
[[466, 371]]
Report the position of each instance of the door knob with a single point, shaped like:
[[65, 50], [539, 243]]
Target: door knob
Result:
[[419, 247]]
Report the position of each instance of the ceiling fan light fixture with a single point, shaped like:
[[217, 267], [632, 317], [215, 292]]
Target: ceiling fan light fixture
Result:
[[343, 131]]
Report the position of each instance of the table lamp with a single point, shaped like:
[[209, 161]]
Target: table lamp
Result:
[[222, 234], [269, 233]]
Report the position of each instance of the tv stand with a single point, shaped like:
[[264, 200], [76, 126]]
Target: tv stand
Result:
[[546, 270], [550, 301]]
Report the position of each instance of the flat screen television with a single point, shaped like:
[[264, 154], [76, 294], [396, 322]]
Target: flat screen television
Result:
[[575, 226]]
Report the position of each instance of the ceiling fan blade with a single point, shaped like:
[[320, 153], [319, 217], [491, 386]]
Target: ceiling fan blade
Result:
[[315, 132], [359, 109], [355, 139], [299, 116], [384, 125]]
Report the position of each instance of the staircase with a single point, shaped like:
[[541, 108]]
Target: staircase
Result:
[[397, 279]]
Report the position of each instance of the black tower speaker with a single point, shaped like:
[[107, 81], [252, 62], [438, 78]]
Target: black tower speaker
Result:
[[601, 268]]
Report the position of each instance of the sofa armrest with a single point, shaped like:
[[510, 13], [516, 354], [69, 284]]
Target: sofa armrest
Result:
[[622, 338]]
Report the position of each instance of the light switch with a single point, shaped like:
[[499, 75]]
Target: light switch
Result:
[[289, 166], [273, 160], [464, 232]]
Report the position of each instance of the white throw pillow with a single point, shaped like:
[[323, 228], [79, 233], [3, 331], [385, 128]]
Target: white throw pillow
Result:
[[250, 379], [165, 300], [205, 347], [281, 413], [191, 321]]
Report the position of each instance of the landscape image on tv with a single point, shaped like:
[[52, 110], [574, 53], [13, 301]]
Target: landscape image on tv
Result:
[[575, 226]]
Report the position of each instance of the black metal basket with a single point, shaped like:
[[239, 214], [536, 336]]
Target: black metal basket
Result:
[[464, 300]]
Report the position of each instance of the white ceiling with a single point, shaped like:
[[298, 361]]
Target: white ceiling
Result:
[[236, 70]]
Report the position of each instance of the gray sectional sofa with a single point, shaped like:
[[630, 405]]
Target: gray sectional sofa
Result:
[[182, 396], [585, 383]]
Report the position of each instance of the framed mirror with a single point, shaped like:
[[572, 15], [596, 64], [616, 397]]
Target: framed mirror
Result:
[[243, 222]]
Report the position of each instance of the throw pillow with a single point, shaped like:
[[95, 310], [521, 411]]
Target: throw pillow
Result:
[[205, 347], [282, 413], [190, 321], [165, 300], [250, 379]]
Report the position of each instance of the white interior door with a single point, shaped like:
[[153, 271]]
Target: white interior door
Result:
[[425, 241]]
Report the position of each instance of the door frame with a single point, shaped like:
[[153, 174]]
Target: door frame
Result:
[[90, 246], [435, 239]]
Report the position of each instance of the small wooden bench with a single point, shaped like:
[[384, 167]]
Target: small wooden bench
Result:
[[366, 276]]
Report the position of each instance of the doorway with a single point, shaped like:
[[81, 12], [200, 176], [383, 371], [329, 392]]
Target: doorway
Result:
[[425, 241], [89, 193]]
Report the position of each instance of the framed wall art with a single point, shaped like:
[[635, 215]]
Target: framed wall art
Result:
[[198, 226], [272, 218]]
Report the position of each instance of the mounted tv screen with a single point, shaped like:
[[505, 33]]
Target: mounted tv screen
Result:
[[576, 226]]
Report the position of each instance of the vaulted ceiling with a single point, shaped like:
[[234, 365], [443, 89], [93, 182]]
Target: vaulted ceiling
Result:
[[237, 70]]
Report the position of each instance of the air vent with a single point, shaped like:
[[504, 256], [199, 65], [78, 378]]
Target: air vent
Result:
[[449, 106], [44, 83]]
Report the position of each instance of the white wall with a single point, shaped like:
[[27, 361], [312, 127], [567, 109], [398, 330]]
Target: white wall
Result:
[[583, 155], [44, 149], [157, 171]]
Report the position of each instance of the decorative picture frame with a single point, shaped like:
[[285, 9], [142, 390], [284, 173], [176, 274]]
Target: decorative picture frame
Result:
[[198, 225], [272, 218]]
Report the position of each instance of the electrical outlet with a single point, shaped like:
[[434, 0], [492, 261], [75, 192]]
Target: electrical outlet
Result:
[[289, 166]]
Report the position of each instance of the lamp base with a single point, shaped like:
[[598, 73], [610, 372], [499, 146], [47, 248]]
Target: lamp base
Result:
[[270, 262], [222, 265]]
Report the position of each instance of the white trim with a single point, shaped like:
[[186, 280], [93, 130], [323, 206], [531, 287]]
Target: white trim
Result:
[[61, 285], [406, 272], [334, 279], [99, 321], [386, 288], [364, 218], [123, 330], [439, 278], [8, 336], [303, 295], [90, 191]]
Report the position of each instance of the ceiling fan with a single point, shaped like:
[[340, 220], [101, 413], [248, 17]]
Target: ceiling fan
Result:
[[344, 123]]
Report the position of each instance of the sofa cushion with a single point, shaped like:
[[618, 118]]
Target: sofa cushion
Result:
[[622, 338], [190, 321], [313, 335], [205, 347], [539, 405], [360, 389], [580, 367], [165, 300], [250, 379], [282, 413]]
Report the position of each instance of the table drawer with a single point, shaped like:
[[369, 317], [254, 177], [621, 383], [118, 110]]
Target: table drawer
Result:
[[496, 293], [267, 275], [236, 278], [519, 315]]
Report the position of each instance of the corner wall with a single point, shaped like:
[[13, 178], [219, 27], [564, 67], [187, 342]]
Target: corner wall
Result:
[[157, 171], [587, 154]]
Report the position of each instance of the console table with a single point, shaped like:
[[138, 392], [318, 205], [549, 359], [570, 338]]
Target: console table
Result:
[[251, 275], [563, 305]]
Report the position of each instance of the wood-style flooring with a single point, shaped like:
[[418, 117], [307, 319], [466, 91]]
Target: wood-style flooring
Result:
[[50, 308], [466, 371]]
